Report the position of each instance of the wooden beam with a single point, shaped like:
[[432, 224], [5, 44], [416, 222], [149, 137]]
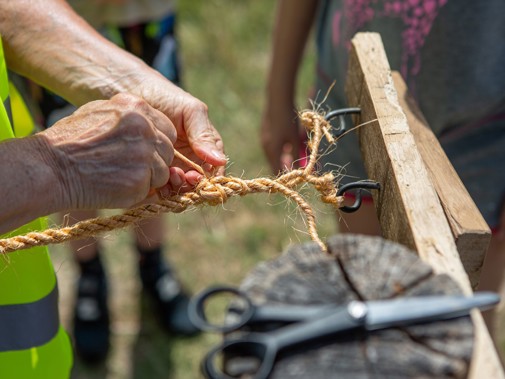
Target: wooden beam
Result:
[[408, 206], [469, 229]]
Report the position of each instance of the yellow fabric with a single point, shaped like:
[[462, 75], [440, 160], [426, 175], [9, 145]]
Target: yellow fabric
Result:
[[26, 276], [4, 87], [21, 117], [50, 361], [4, 120]]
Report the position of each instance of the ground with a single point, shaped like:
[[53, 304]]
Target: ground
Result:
[[225, 49]]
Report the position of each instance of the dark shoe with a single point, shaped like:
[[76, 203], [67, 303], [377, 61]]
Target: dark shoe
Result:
[[91, 318], [171, 301]]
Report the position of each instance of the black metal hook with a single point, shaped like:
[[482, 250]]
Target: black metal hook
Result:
[[340, 113], [365, 184]]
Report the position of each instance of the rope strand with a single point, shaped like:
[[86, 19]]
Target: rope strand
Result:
[[210, 191]]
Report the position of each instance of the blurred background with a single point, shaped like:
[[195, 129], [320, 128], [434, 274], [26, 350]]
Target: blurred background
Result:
[[225, 49]]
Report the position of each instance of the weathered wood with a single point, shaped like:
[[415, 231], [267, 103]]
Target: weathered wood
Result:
[[407, 205], [469, 229], [363, 268]]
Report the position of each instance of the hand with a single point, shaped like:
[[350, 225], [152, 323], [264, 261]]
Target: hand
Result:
[[103, 71], [110, 153], [280, 138], [197, 139]]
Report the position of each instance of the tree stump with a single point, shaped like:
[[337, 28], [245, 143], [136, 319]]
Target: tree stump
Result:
[[363, 268]]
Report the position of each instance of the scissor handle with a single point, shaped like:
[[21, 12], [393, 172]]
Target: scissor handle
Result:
[[256, 345], [197, 315], [264, 347]]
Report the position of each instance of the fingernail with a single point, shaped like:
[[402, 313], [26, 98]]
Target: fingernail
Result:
[[218, 155]]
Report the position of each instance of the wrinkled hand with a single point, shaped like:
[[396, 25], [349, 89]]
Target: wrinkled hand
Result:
[[110, 153], [197, 139], [280, 137]]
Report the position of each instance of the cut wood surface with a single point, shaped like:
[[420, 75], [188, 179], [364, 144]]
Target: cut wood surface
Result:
[[469, 229], [407, 205], [362, 268]]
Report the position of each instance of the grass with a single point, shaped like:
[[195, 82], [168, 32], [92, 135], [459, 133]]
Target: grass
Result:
[[225, 48]]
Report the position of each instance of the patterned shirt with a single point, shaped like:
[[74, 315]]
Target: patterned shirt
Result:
[[451, 53]]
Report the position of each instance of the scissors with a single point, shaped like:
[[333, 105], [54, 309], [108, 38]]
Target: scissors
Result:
[[332, 320], [242, 311]]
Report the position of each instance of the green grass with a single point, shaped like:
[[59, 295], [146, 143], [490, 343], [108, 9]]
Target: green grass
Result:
[[225, 47]]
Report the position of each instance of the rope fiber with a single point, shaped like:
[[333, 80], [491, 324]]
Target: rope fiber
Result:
[[209, 191]]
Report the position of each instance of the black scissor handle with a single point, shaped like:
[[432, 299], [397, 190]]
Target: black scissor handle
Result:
[[263, 348], [256, 346], [197, 315]]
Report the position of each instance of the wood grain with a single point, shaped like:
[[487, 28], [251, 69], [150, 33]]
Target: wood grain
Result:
[[362, 268], [408, 206], [469, 229]]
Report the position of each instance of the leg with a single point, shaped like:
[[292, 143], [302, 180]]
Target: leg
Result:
[[91, 314], [159, 279], [159, 50]]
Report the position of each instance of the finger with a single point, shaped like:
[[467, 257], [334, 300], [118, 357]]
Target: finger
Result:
[[204, 138], [164, 148], [163, 124], [160, 173], [212, 170], [193, 177], [177, 179], [175, 184]]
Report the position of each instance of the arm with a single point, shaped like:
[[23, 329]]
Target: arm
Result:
[[46, 41], [279, 129], [108, 154]]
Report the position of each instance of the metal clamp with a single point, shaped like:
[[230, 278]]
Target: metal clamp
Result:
[[340, 113], [361, 185]]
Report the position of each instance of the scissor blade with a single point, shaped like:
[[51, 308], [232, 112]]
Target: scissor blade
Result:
[[407, 311]]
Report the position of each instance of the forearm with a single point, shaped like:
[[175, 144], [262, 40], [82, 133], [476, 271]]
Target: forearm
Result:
[[292, 28], [47, 42], [30, 188]]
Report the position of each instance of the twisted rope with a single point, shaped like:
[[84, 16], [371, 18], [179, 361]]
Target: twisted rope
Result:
[[211, 191]]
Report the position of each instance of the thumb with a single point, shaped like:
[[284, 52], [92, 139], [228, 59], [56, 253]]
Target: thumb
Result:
[[205, 140]]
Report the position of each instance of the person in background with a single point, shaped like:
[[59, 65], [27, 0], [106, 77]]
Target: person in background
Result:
[[107, 154], [147, 30], [451, 57]]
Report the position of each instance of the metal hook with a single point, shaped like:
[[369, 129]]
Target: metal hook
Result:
[[340, 113], [367, 184]]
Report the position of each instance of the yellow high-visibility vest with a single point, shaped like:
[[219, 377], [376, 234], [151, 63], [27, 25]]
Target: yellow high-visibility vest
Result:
[[33, 343]]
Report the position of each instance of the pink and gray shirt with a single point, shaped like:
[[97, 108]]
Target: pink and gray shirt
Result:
[[452, 55]]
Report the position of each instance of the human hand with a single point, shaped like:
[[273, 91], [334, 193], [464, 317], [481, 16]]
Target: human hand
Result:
[[197, 139], [280, 138], [110, 153], [102, 72]]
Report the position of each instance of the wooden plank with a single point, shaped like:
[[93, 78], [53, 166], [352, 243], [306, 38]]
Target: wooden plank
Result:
[[469, 229], [408, 207]]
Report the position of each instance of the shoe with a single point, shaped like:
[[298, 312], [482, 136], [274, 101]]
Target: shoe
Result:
[[91, 318], [169, 297]]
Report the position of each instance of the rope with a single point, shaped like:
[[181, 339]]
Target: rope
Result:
[[210, 191]]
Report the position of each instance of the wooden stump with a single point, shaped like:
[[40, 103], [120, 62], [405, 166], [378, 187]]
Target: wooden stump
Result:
[[364, 268]]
